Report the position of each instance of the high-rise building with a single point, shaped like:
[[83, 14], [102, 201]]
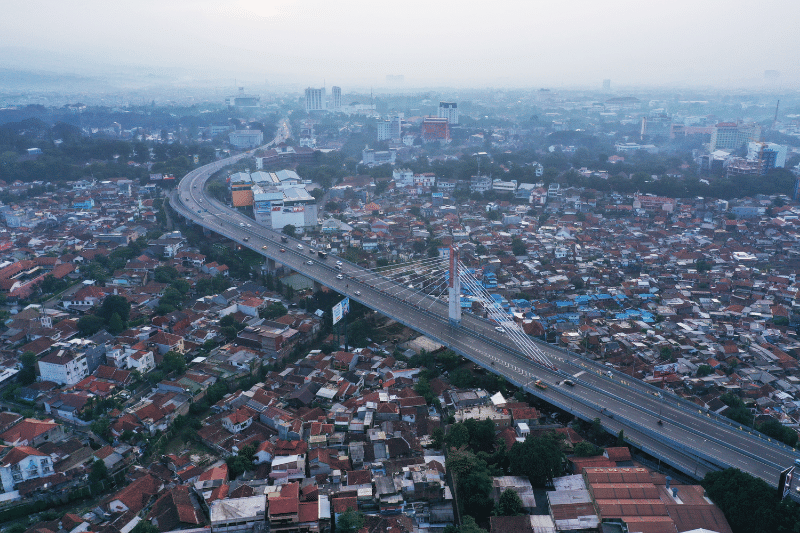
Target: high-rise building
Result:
[[768, 155], [449, 110], [390, 128], [315, 99], [733, 135], [606, 85], [336, 98]]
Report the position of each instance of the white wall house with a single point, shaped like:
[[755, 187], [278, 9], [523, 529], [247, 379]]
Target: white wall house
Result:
[[63, 367], [21, 464]]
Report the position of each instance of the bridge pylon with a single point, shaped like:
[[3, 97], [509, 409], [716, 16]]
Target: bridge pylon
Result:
[[454, 289]]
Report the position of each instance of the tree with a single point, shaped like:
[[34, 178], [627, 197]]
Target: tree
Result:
[[241, 462], [704, 370], [115, 324], [468, 525], [518, 247], [145, 526], [115, 304], [88, 325], [100, 427], [587, 449], [290, 230], [510, 504], [776, 430], [750, 504], [165, 274], [538, 458], [437, 436], [458, 436], [173, 362], [97, 475], [28, 373], [350, 521], [273, 310]]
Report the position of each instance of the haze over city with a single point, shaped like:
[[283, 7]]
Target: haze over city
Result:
[[411, 267], [357, 43]]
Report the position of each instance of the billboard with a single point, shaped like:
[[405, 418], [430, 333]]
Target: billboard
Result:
[[341, 310], [785, 482]]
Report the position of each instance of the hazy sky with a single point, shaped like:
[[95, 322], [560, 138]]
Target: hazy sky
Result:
[[357, 43]]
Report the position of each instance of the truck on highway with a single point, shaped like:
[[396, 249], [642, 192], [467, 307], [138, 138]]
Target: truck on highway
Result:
[[284, 238], [540, 384], [322, 255]]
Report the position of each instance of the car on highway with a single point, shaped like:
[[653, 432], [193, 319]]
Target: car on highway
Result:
[[311, 250], [241, 224], [264, 247], [358, 293], [283, 250], [338, 263], [540, 384], [299, 246], [568, 382], [500, 329], [309, 262], [339, 276], [246, 239]]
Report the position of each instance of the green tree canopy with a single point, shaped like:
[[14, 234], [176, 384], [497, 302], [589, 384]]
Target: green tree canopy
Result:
[[88, 325], [173, 362], [587, 449], [350, 521], [510, 504], [538, 458], [115, 304], [27, 375], [750, 504], [145, 526], [518, 247], [290, 230]]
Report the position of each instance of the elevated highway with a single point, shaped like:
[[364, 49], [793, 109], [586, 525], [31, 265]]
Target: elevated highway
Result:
[[690, 438]]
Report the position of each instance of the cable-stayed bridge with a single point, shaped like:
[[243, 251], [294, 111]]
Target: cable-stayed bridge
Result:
[[427, 296]]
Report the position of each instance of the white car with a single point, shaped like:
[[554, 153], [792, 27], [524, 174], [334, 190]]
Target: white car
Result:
[[299, 246], [498, 328], [338, 263], [309, 262], [339, 276], [358, 293]]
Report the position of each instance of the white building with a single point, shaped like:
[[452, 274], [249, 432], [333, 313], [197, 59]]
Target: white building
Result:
[[449, 110], [22, 463], [403, 177], [127, 358], [246, 139], [372, 158], [63, 367], [480, 184], [277, 207], [336, 98], [315, 99], [756, 150], [504, 186], [384, 130], [427, 179]]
